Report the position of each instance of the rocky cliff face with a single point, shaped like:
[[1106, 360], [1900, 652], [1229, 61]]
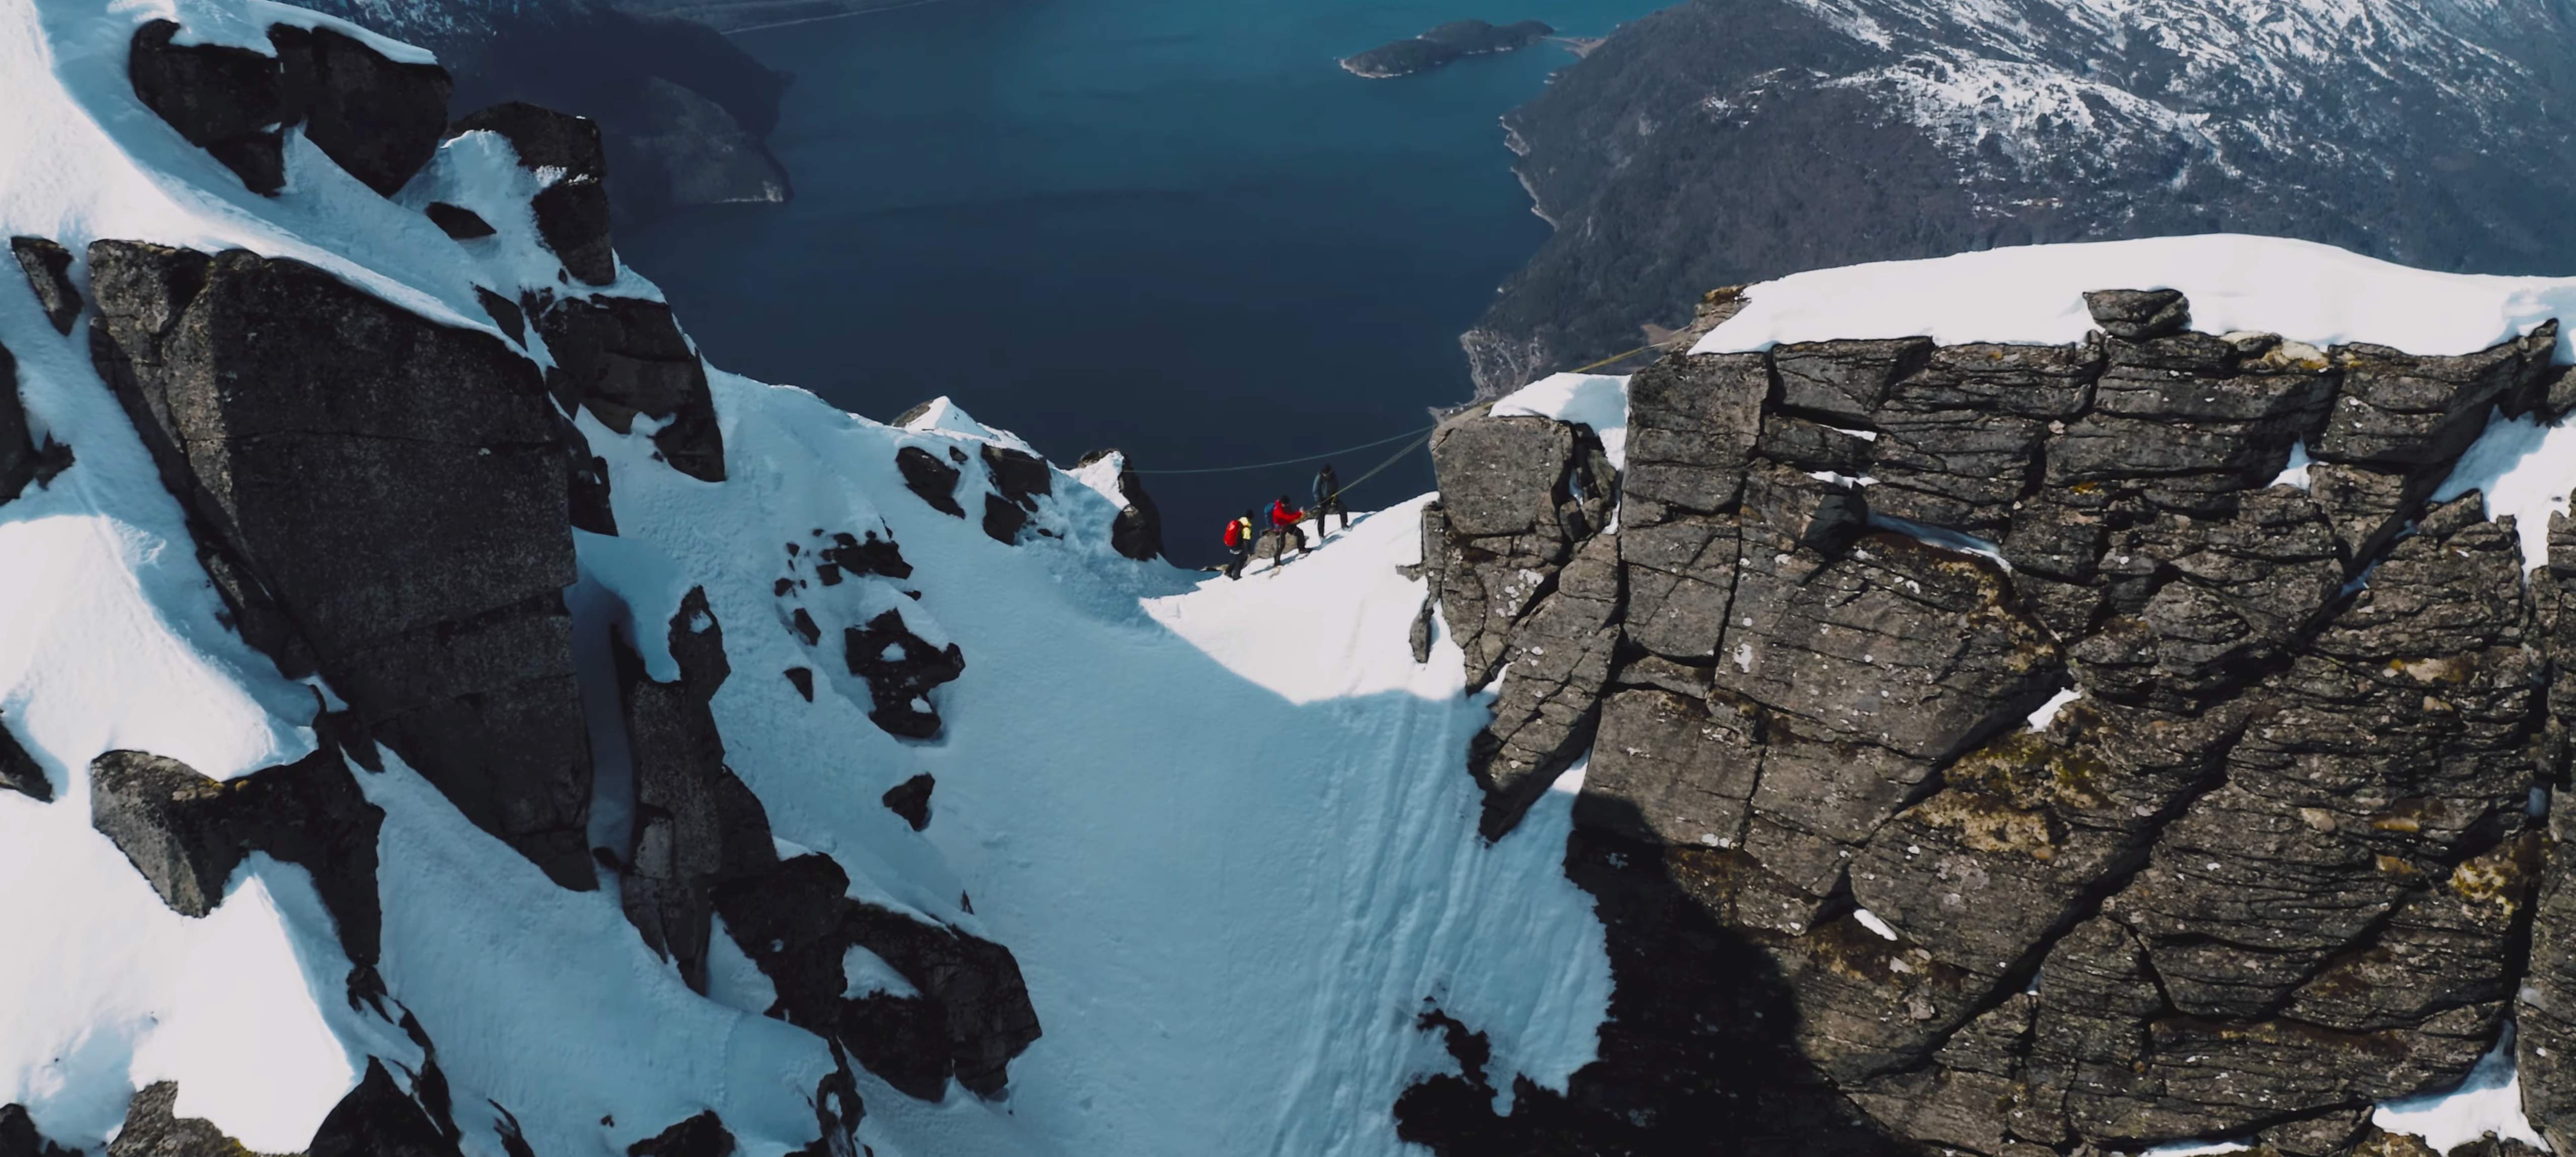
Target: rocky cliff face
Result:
[[386, 505], [1723, 141], [1992, 751]]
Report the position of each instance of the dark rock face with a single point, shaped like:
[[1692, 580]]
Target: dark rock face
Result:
[[186, 833], [2276, 864], [971, 1017], [19, 458], [619, 357], [19, 1138], [388, 506], [49, 272], [935, 481], [703, 1135], [377, 1120], [1138, 530], [696, 825], [19, 771], [1446, 43], [224, 100], [460, 223], [911, 800], [572, 211], [1018, 479], [900, 668], [694, 152], [378, 119], [1719, 142]]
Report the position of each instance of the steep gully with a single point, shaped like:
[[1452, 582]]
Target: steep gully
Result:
[[2279, 861]]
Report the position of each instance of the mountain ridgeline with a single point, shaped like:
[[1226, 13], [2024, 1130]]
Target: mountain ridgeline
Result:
[[1441, 45], [1719, 142]]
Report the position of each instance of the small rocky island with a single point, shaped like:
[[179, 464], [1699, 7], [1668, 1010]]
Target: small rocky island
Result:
[[1443, 44]]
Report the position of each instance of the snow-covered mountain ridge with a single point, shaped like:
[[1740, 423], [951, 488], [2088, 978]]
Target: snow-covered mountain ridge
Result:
[[2425, 131], [443, 715]]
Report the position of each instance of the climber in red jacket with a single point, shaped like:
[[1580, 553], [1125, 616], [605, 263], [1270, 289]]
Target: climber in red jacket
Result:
[[1284, 519]]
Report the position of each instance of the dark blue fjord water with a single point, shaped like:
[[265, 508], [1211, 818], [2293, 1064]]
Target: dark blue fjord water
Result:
[[1171, 226]]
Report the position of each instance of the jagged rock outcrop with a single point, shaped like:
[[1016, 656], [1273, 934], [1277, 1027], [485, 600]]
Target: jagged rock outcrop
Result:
[[620, 357], [935, 481], [900, 668], [572, 208], [696, 826], [186, 832], [971, 1014], [703, 1135], [48, 267], [388, 506], [1018, 479], [911, 800], [379, 119], [19, 1138], [1137, 532], [19, 771], [2277, 863], [377, 1119]]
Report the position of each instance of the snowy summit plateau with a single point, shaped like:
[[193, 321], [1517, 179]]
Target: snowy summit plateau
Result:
[[2044, 702]]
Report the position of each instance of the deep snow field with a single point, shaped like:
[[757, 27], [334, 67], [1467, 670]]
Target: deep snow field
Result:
[[1225, 827]]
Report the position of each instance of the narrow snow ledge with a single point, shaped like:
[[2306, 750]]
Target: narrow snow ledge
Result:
[[2034, 294], [1596, 400], [2047, 713]]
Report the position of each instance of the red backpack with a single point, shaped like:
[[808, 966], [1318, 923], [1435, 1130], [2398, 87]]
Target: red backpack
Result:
[[1234, 533]]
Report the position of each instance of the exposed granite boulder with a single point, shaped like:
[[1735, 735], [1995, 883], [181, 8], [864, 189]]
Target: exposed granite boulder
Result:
[[2275, 862], [186, 832], [388, 507], [379, 119], [911, 800], [935, 481], [48, 267], [620, 357], [228, 101], [2139, 314], [572, 209], [900, 668]]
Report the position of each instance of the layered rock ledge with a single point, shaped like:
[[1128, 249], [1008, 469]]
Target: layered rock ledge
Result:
[[1992, 749]]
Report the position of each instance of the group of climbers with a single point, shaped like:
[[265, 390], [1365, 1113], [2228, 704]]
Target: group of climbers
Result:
[[1243, 535]]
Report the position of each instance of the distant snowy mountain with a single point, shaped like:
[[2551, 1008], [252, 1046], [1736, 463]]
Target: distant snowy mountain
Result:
[[1722, 141], [1949, 709]]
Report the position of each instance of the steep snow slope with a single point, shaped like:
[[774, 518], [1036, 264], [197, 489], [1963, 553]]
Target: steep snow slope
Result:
[[1221, 826]]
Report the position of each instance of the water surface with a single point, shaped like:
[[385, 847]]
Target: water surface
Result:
[[1175, 227]]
